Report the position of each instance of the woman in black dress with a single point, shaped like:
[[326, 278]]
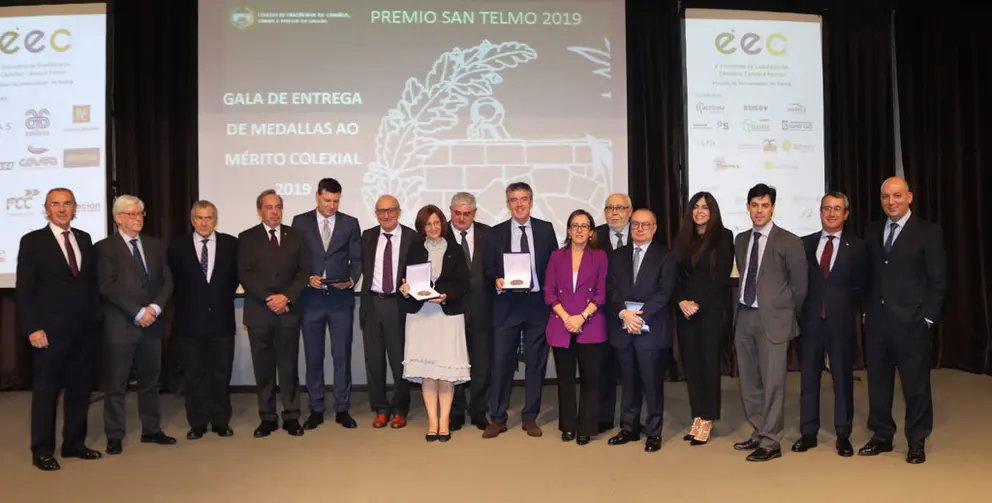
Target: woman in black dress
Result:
[[705, 253]]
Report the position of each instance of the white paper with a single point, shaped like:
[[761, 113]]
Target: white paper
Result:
[[418, 278], [637, 306], [516, 271]]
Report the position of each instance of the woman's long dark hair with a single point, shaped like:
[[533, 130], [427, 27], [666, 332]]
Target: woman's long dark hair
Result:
[[689, 243]]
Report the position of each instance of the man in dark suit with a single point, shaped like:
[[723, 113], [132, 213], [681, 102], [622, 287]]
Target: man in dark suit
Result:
[[381, 311], [273, 265], [838, 267], [59, 308], [612, 235], [205, 271], [471, 236], [904, 300], [335, 246], [773, 266], [518, 312], [136, 284], [642, 271]]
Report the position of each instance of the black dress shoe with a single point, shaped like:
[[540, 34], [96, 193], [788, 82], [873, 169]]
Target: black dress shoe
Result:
[[623, 437], [605, 427], [158, 439], [805, 443], [223, 431], [480, 422], [456, 422], [345, 420], [653, 444], [567, 436], [761, 454], [431, 437], [265, 428], [844, 447], [313, 421], [195, 433], [45, 463], [114, 447], [688, 437], [874, 447], [293, 427], [444, 438], [582, 440], [917, 455], [747, 445], [82, 453]]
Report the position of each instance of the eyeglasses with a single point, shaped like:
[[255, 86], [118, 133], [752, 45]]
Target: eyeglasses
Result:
[[617, 209], [641, 225], [835, 209], [56, 205], [386, 211], [134, 214], [580, 227]]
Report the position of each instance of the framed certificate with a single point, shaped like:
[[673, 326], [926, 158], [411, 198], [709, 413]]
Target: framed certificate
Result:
[[418, 278], [516, 271], [637, 306]]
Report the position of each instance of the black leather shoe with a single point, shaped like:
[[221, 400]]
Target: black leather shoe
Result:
[[653, 444], [444, 438], [917, 455], [223, 431], [582, 440], [313, 421], [874, 447], [804, 444], [293, 427], [480, 422], [431, 437], [195, 433], [114, 447], [687, 437], [456, 422], [82, 453], [45, 463], [567, 436], [844, 447], [623, 437], [761, 454], [605, 427], [158, 439], [265, 428], [747, 445], [345, 420]]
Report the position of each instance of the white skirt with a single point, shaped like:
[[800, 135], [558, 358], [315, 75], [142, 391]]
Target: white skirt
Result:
[[435, 346]]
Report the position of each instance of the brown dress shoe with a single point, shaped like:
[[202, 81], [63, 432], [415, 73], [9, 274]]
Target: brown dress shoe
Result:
[[494, 429], [398, 422], [532, 428], [380, 421]]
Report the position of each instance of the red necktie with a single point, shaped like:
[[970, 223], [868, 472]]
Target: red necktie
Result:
[[71, 254], [828, 252], [273, 241]]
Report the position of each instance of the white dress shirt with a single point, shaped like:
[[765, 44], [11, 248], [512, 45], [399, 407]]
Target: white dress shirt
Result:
[[515, 234], [888, 228], [141, 248], [72, 240], [823, 244], [469, 235], [380, 249], [268, 235], [625, 232], [764, 231], [211, 251]]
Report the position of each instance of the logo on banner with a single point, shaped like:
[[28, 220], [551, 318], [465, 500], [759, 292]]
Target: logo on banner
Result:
[[242, 17], [80, 114], [721, 163], [755, 108], [768, 145], [38, 159], [797, 109], [6, 165], [3, 256], [774, 165], [5, 127], [81, 157], [11, 42], [88, 207], [759, 126], [707, 143], [37, 122], [704, 108], [22, 204], [797, 126], [751, 44], [804, 148]]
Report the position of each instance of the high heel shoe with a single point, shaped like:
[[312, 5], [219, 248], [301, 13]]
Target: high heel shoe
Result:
[[444, 437], [703, 435], [431, 436], [694, 431]]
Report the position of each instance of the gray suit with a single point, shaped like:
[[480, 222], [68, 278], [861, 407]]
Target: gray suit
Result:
[[762, 335], [125, 291]]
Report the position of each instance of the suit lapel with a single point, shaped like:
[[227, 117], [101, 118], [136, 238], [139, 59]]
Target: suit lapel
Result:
[[479, 244], [769, 242], [335, 233], [585, 269], [125, 248], [905, 232]]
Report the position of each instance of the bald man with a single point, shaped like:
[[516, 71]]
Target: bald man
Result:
[[383, 321], [905, 296]]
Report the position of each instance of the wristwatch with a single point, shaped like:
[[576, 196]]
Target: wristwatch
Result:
[[586, 315]]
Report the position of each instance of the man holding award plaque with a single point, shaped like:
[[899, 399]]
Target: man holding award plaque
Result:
[[517, 253]]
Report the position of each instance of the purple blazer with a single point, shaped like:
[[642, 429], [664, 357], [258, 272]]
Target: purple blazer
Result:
[[590, 287]]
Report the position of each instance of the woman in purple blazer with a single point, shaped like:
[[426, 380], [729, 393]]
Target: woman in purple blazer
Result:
[[575, 288]]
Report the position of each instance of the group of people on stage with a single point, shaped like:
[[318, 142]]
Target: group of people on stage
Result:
[[602, 300]]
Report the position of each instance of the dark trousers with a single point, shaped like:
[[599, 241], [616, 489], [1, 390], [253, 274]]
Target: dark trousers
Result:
[[642, 372], [144, 353], [609, 374], [581, 417], [384, 335], [208, 360], [821, 336], [892, 343], [275, 351], [701, 339], [528, 316], [65, 364], [480, 354], [320, 313]]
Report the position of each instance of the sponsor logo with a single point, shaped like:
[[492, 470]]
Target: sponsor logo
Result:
[[805, 148], [3, 256], [721, 163], [709, 108], [81, 157], [706, 143], [37, 122], [38, 159], [35, 41], [796, 108], [88, 207], [702, 126], [751, 44], [242, 17], [21, 205], [797, 126], [5, 127], [749, 148], [774, 165], [768, 145], [757, 126], [708, 95], [6, 165], [755, 108], [80, 114]]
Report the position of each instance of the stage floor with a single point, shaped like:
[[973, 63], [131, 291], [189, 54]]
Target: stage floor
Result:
[[367, 465]]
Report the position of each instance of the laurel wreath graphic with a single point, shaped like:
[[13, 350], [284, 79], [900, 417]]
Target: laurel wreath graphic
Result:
[[406, 134], [601, 57]]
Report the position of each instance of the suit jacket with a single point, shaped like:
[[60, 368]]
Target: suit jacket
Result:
[[704, 285], [590, 286], [453, 281], [49, 297], [263, 274], [124, 291], [204, 308], [478, 301], [653, 286], [840, 292], [783, 278], [342, 258], [911, 278], [370, 241], [498, 243]]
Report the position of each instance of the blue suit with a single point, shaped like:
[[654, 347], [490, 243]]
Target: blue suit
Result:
[[329, 307]]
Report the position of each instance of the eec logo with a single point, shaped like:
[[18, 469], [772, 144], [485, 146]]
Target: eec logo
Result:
[[34, 41], [751, 43]]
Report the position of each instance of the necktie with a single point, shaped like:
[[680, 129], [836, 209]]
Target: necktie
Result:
[[619, 241], [136, 255], [828, 252], [204, 258], [637, 262], [273, 241], [524, 245], [892, 234], [325, 233], [465, 248], [387, 265], [71, 254], [751, 282]]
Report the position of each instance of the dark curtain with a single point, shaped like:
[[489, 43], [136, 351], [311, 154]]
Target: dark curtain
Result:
[[943, 62]]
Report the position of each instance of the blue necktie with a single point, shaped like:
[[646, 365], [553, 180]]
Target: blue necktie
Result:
[[751, 282], [136, 255], [892, 234], [204, 258]]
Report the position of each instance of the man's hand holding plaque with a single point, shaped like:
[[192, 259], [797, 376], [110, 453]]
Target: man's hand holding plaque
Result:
[[516, 271]]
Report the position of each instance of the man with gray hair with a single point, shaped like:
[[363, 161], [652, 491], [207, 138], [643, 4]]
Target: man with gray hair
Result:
[[135, 283]]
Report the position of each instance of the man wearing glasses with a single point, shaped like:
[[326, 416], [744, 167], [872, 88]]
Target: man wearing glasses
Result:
[[135, 283], [616, 232], [380, 313]]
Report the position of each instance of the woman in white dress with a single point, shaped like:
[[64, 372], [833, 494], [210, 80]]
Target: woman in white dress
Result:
[[436, 353]]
